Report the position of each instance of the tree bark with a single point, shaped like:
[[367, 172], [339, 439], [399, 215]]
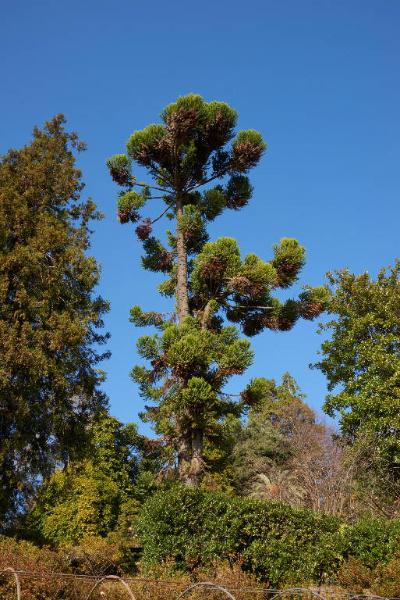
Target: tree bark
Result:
[[182, 283], [184, 459], [190, 458], [191, 447], [196, 462]]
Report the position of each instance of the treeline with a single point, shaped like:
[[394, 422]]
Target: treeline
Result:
[[70, 472]]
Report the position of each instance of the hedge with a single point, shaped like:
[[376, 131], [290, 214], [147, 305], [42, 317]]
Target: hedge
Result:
[[193, 528]]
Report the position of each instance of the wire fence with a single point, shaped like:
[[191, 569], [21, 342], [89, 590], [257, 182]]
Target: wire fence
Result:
[[27, 585]]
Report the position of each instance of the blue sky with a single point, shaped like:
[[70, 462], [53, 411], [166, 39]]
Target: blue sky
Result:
[[318, 78]]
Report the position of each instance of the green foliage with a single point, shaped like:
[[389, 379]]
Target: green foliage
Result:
[[120, 169], [259, 446], [50, 317], [362, 360], [192, 225], [242, 289], [371, 541], [194, 145], [128, 205], [149, 137], [204, 361], [143, 319], [266, 440], [248, 147], [86, 498], [157, 257], [238, 192], [289, 258], [212, 202], [280, 544]]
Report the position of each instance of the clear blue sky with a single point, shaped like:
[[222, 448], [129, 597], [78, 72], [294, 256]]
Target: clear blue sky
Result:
[[319, 79]]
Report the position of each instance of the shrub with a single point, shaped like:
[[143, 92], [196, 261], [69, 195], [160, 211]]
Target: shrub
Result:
[[93, 557], [371, 541], [387, 579], [25, 556], [193, 528], [355, 576]]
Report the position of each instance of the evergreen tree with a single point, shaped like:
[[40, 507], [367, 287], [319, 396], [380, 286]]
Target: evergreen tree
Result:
[[191, 360], [265, 444], [362, 362], [49, 316]]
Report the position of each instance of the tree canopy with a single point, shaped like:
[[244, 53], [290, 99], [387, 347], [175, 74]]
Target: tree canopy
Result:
[[50, 316], [191, 361], [361, 359], [89, 496]]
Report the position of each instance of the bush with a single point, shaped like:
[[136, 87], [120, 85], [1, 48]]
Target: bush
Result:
[[94, 557], [196, 533], [387, 579], [371, 541], [355, 576], [192, 528], [25, 556]]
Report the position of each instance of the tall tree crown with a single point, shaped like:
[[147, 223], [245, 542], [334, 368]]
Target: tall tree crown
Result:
[[199, 167], [50, 321]]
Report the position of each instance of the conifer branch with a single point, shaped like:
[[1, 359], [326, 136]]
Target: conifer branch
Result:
[[162, 214], [151, 187], [208, 180]]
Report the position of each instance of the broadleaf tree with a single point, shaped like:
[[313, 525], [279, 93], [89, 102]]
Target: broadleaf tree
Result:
[[199, 165], [361, 361], [88, 496], [50, 317]]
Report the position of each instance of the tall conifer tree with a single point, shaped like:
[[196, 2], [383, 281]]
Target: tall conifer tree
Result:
[[49, 315], [199, 168]]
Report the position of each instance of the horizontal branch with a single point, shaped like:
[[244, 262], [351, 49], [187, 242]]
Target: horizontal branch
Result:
[[263, 307], [217, 176], [151, 187]]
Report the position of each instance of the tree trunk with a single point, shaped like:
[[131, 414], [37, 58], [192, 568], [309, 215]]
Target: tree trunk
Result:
[[196, 462], [182, 283], [184, 459], [190, 459], [191, 447]]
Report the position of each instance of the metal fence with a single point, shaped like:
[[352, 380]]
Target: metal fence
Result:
[[17, 585]]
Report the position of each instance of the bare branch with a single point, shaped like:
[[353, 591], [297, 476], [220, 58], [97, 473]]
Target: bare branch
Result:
[[162, 214]]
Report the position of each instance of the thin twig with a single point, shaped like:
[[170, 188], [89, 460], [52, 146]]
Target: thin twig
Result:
[[217, 176], [161, 215], [152, 187]]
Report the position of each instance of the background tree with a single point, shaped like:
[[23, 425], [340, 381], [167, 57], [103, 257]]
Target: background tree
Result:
[[191, 362], [89, 497], [284, 453], [362, 361], [49, 315], [265, 443], [376, 485]]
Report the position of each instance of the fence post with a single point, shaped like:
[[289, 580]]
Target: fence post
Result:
[[16, 577]]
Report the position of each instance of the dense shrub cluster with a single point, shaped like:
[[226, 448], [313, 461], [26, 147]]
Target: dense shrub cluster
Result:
[[93, 557], [192, 534], [192, 529]]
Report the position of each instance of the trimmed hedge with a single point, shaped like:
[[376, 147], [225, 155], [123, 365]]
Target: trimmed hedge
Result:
[[192, 528]]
